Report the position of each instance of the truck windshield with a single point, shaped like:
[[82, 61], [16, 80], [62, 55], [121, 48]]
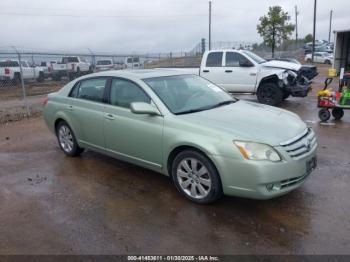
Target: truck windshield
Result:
[[253, 56], [70, 59], [184, 94], [104, 62], [9, 64]]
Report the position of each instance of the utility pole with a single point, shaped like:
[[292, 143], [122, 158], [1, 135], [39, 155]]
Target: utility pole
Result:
[[296, 23], [209, 45], [330, 25], [314, 33]]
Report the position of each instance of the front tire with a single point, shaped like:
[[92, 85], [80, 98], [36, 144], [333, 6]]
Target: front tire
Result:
[[67, 140], [196, 177], [270, 94]]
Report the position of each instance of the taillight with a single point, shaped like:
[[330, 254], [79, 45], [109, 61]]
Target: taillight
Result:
[[49, 69], [73, 66], [46, 100], [7, 71]]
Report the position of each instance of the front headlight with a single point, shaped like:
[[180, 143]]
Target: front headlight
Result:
[[285, 77], [257, 151]]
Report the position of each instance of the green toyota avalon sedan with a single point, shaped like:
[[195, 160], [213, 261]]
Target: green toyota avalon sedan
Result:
[[185, 127]]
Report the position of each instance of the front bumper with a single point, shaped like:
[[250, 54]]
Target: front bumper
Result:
[[253, 179]]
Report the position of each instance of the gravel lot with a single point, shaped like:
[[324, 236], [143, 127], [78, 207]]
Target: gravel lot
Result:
[[52, 204]]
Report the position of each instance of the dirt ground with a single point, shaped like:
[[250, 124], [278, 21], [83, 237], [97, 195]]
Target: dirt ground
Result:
[[93, 204]]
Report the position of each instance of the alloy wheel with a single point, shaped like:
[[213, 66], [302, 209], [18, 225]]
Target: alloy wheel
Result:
[[194, 178], [65, 138]]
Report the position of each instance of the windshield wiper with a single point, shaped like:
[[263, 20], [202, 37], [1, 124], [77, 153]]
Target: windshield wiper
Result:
[[206, 108]]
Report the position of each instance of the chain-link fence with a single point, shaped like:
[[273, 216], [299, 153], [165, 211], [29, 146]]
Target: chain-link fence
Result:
[[27, 76]]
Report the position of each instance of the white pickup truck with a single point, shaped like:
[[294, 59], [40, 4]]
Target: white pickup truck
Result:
[[71, 66], [241, 71], [10, 71]]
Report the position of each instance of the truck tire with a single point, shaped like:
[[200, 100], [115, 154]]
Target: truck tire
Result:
[[327, 62], [308, 61], [270, 94], [56, 77], [16, 79], [41, 77]]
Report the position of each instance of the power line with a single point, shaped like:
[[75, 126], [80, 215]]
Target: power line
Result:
[[100, 16]]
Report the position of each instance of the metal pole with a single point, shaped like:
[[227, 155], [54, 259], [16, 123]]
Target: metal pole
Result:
[[330, 26], [22, 82], [314, 33], [209, 45], [296, 23]]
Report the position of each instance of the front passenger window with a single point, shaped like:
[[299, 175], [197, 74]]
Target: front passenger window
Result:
[[124, 92]]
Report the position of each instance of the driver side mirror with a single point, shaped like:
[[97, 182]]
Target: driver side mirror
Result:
[[245, 63], [143, 108]]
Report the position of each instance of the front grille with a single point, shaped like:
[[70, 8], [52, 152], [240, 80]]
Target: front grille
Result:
[[300, 145]]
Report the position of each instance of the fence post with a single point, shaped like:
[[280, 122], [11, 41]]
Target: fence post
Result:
[[22, 84], [33, 65]]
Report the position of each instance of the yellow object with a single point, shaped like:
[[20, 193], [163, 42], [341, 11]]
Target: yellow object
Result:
[[332, 72], [324, 93]]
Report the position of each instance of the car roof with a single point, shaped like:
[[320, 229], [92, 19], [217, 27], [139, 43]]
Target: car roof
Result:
[[140, 73]]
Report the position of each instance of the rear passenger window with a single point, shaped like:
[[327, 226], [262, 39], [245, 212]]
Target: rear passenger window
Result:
[[90, 89], [214, 59], [124, 92]]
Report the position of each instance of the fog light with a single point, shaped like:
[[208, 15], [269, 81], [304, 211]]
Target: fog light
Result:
[[269, 187], [273, 187]]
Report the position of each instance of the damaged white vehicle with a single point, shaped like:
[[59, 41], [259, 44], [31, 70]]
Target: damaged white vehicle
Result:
[[241, 71]]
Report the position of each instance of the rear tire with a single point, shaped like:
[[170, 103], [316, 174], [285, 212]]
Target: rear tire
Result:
[[270, 94], [337, 113], [196, 177], [324, 114], [67, 141]]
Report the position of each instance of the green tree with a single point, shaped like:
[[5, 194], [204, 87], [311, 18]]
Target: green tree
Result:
[[275, 27], [308, 38]]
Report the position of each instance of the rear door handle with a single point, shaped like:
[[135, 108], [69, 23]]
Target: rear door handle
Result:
[[71, 108], [228, 71], [205, 71], [110, 116]]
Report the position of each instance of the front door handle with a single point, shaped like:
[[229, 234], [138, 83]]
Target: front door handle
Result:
[[228, 71], [252, 74], [110, 116], [71, 108], [205, 71]]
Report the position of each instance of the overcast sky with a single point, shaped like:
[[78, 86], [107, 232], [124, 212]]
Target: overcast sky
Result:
[[127, 26]]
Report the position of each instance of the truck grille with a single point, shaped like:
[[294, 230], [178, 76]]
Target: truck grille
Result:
[[300, 145]]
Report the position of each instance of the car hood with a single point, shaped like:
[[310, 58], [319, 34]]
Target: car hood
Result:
[[250, 121], [282, 65]]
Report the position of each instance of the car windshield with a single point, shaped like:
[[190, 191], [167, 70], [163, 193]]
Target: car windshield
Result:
[[184, 94], [255, 57]]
